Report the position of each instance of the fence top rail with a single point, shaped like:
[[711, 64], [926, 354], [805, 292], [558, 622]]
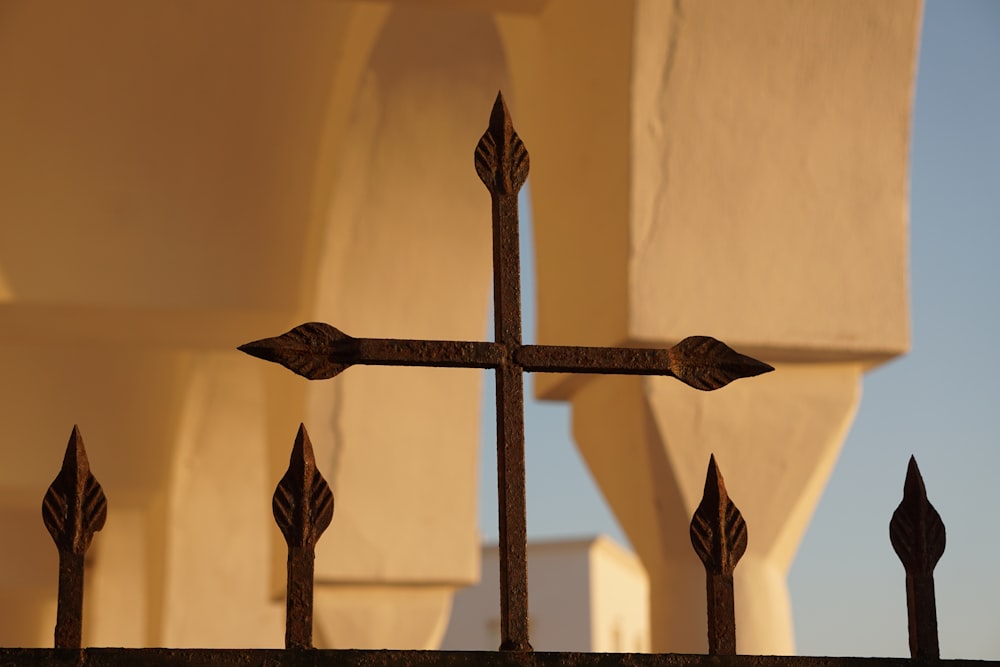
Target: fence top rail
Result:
[[169, 657]]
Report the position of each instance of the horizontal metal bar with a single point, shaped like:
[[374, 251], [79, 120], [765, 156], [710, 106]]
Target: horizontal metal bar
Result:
[[166, 657], [616, 360], [439, 353], [532, 358], [320, 351]]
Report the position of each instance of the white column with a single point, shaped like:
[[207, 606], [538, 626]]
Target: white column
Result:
[[733, 170]]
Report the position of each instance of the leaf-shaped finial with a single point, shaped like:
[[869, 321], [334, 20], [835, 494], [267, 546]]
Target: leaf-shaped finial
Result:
[[74, 507], [705, 363], [314, 350], [916, 530], [501, 158], [917, 535], [718, 531], [303, 502]]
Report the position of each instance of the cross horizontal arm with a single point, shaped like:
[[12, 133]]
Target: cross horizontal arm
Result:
[[604, 360], [441, 353], [318, 351], [701, 362]]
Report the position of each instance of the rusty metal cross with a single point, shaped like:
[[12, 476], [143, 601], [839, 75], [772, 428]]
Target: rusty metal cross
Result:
[[319, 351]]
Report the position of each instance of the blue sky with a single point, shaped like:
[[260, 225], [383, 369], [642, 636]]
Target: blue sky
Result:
[[940, 402]]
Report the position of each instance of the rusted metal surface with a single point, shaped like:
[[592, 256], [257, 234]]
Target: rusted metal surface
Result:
[[165, 657], [74, 508], [502, 164], [917, 535], [719, 537], [701, 362], [303, 509], [318, 351]]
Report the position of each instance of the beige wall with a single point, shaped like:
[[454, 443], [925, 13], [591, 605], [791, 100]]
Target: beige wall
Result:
[[179, 178]]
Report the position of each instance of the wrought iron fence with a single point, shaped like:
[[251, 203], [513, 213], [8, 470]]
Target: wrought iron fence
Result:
[[74, 507]]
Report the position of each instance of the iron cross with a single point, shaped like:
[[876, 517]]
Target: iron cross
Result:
[[318, 351]]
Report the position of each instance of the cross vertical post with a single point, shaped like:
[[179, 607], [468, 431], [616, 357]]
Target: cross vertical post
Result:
[[502, 164], [319, 351]]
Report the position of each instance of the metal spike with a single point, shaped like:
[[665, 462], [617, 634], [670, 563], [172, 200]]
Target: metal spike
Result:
[[303, 509], [719, 537], [74, 508], [918, 537]]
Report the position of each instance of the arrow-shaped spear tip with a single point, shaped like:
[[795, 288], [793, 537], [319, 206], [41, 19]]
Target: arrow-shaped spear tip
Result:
[[74, 506], [718, 531], [914, 484], [916, 531], [262, 349], [302, 449], [705, 363], [715, 485], [303, 503], [757, 367], [76, 454], [314, 350], [500, 116], [501, 124]]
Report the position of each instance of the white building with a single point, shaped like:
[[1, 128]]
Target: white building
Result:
[[585, 595]]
